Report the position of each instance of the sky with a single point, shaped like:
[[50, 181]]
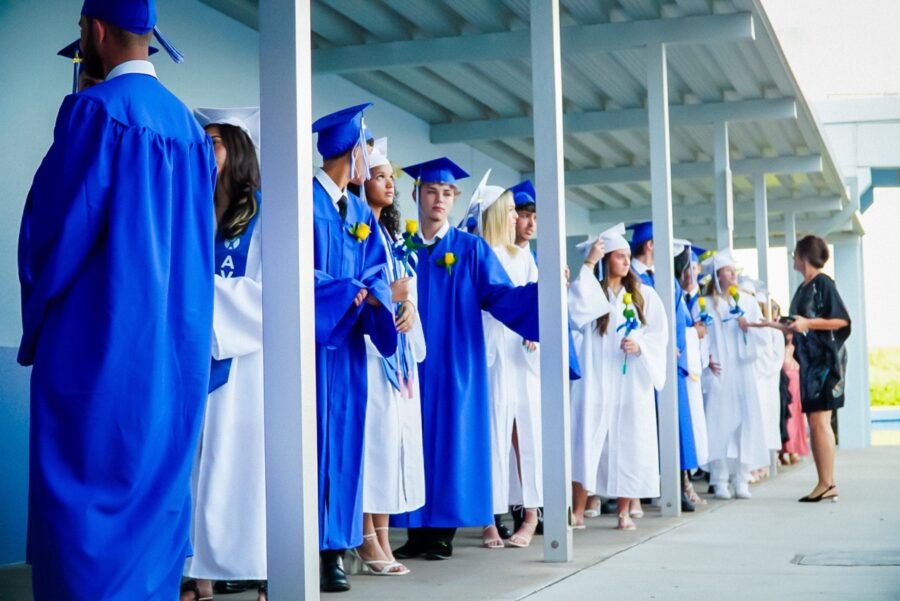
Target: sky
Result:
[[839, 49]]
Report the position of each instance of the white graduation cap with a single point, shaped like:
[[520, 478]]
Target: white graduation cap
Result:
[[245, 118], [483, 198], [723, 258], [378, 155], [678, 246], [613, 240]]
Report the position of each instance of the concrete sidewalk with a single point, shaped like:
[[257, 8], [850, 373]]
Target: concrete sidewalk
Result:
[[727, 550]]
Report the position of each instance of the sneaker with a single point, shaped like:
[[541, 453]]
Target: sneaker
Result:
[[723, 492], [742, 491]]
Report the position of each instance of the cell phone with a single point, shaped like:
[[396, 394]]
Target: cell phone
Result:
[[786, 320]]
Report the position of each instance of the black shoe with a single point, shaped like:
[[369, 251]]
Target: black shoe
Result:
[[609, 507], [410, 550], [332, 577], [821, 497], [712, 489], [502, 528], [700, 475], [228, 587], [437, 550], [686, 504]]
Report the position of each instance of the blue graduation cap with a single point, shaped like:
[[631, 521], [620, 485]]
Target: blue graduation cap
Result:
[[73, 53], [340, 131], [696, 253], [641, 232], [136, 16], [436, 171], [524, 194]]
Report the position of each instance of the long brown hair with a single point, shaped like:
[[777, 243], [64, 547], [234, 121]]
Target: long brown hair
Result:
[[238, 182], [632, 284]]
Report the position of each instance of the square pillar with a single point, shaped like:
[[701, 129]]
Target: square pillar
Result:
[[723, 188]]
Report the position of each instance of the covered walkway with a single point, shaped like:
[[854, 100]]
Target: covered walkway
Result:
[[768, 548]]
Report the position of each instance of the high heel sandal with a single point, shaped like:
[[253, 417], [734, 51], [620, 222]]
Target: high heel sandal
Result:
[[377, 567], [625, 522], [821, 496], [523, 539], [491, 543]]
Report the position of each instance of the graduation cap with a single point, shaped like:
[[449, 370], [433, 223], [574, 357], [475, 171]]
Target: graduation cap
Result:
[[641, 232], [524, 194], [340, 131], [378, 155], [435, 171], [482, 199], [613, 240], [136, 16], [696, 253], [244, 118]]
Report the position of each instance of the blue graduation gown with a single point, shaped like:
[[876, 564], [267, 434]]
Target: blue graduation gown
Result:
[[683, 320], [453, 378], [343, 267], [116, 268]]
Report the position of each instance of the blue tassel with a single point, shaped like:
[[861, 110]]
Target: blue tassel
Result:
[[168, 47]]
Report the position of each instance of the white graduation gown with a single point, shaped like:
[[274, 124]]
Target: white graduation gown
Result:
[[768, 365], [614, 441], [393, 463], [733, 412], [695, 364], [229, 484], [514, 386]]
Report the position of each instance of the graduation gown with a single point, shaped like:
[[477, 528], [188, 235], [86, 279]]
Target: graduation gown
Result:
[[394, 474], [614, 443], [733, 412], [515, 391], [686, 444], [343, 267], [229, 479], [116, 267], [454, 380], [768, 366], [695, 367]]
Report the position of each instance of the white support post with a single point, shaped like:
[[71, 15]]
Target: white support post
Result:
[[288, 300], [661, 193], [854, 422], [723, 187], [761, 206], [546, 78], [790, 242]]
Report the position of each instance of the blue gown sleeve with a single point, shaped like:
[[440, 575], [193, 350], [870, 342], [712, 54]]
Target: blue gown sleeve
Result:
[[65, 211], [335, 313], [515, 306], [378, 322]]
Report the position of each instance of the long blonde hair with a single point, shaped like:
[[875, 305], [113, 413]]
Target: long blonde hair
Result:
[[495, 224]]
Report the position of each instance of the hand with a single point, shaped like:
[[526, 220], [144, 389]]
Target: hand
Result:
[[360, 297], [400, 290], [630, 346], [714, 367], [595, 255], [800, 325], [568, 274], [373, 300], [743, 323], [529, 346], [406, 317], [701, 329], [677, 353]]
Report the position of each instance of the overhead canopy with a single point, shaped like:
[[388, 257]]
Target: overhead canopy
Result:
[[463, 66]]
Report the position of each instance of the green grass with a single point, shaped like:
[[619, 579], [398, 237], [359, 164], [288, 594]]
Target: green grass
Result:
[[884, 376]]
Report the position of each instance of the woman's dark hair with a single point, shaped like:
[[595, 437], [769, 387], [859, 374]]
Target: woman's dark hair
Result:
[[238, 182], [813, 250], [632, 284], [390, 219]]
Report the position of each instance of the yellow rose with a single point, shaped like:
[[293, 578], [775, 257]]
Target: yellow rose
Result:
[[362, 231], [449, 259], [412, 227], [627, 298], [732, 290], [702, 302]]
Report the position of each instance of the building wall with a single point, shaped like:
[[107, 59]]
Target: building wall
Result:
[[221, 69]]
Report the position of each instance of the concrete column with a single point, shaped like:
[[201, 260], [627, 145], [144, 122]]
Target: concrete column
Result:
[[549, 183], [790, 242], [661, 193], [288, 300], [723, 187]]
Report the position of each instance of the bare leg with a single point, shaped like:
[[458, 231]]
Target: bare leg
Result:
[[579, 501], [380, 523], [625, 521], [822, 449], [371, 551]]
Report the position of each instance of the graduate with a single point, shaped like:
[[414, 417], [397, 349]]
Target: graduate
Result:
[[642, 255], [733, 414], [116, 269], [459, 276], [353, 299], [229, 525], [394, 474], [513, 373], [623, 357], [80, 79], [526, 215]]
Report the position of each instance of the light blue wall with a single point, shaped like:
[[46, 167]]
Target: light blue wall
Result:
[[220, 69]]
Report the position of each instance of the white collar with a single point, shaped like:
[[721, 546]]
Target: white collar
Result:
[[639, 267], [140, 67], [440, 234], [330, 187]]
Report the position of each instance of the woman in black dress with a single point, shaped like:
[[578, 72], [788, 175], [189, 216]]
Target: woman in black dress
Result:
[[821, 325]]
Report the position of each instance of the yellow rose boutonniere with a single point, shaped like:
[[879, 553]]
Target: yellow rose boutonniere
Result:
[[412, 227], [447, 261], [360, 231]]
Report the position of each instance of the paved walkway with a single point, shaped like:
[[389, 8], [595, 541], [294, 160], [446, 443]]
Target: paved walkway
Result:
[[731, 550]]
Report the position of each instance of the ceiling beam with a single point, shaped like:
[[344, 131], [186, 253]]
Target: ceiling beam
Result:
[[596, 121], [627, 175], [694, 211], [514, 45], [743, 230]]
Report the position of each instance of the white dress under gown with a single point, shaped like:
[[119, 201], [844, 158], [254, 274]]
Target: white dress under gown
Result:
[[229, 483], [515, 390], [696, 364], [393, 464], [614, 442], [769, 364], [733, 411]]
